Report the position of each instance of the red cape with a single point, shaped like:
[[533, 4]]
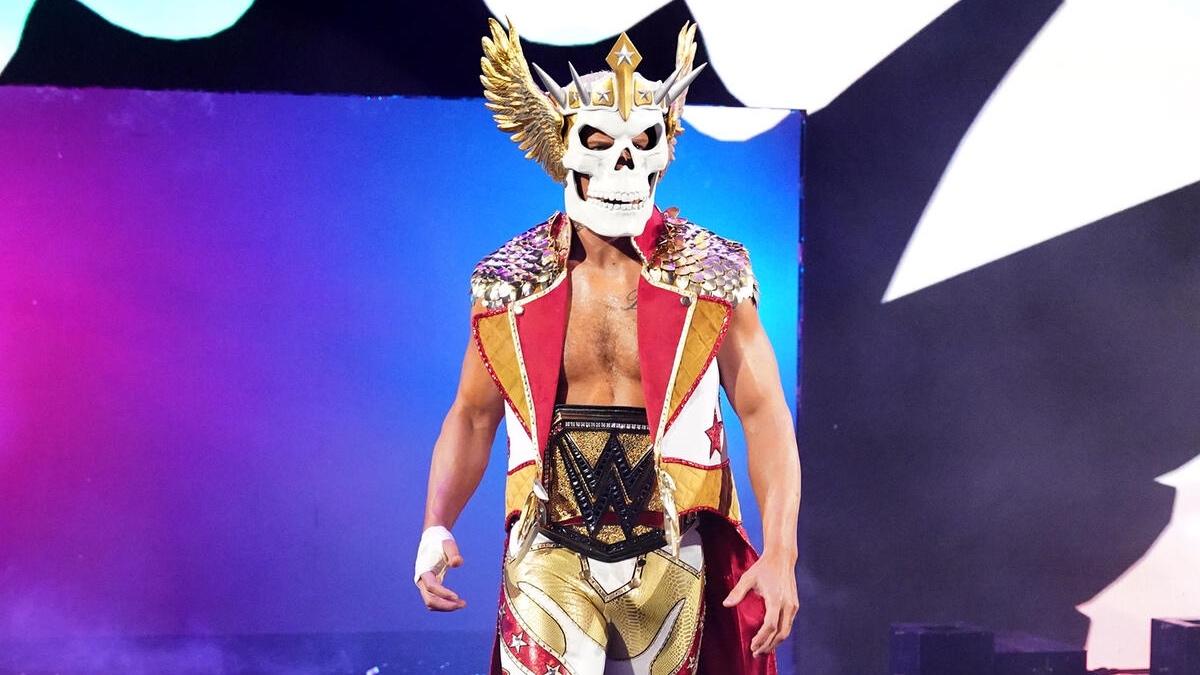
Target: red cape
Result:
[[725, 646]]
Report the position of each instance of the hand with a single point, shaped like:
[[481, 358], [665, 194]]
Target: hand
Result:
[[437, 597], [773, 577]]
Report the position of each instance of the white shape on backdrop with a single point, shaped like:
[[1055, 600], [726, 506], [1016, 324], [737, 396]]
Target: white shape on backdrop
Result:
[[1099, 114], [1162, 584], [176, 20], [803, 54], [732, 124], [769, 54], [12, 21], [179, 20], [573, 22]]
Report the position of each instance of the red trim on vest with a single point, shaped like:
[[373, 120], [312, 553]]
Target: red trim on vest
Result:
[[520, 466], [556, 223], [707, 467], [647, 241], [510, 519], [717, 512], [709, 359], [660, 319], [542, 330]]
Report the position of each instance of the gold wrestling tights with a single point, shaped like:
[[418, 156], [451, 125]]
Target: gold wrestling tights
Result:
[[562, 613]]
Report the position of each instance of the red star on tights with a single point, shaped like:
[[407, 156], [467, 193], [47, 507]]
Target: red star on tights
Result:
[[714, 436]]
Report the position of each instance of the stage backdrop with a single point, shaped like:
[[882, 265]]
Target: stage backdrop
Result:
[[230, 326]]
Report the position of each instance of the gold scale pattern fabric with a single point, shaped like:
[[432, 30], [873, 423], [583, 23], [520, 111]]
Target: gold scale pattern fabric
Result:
[[694, 259], [687, 257]]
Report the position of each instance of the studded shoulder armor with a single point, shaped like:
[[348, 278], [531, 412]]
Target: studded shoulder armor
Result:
[[527, 264], [692, 258], [686, 256]]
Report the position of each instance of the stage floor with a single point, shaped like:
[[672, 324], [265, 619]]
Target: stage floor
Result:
[[385, 653]]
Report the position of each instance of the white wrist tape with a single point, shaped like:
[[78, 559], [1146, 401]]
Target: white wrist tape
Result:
[[431, 557]]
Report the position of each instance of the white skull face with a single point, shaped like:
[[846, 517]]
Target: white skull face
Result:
[[622, 177]]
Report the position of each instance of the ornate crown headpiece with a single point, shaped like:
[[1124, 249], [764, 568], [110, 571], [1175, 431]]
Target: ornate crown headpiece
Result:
[[538, 120]]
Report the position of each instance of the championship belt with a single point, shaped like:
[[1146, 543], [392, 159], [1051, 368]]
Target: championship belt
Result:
[[603, 500]]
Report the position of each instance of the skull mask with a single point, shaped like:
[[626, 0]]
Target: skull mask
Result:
[[618, 130], [622, 168]]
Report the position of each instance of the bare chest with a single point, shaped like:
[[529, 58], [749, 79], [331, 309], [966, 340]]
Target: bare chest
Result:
[[600, 354]]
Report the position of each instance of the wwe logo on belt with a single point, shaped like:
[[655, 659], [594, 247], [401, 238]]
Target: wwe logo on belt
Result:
[[611, 484]]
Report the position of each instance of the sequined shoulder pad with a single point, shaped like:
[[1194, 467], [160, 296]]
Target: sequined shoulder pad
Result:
[[527, 264], [690, 257]]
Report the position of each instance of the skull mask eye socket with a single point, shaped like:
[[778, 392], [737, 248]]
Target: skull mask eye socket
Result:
[[594, 139], [649, 138]]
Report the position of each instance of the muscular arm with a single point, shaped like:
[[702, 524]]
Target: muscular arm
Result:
[[460, 454], [750, 375], [460, 457]]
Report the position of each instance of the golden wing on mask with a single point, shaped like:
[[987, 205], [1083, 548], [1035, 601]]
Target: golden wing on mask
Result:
[[685, 54], [519, 106]]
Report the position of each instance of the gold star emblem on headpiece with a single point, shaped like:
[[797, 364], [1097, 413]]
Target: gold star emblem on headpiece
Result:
[[624, 59]]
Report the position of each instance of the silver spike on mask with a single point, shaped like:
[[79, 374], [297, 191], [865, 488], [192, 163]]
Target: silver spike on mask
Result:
[[661, 92], [680, 86], [584, 95], [552, 87]]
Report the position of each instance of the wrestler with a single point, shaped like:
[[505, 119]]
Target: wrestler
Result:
[[601, 339]]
